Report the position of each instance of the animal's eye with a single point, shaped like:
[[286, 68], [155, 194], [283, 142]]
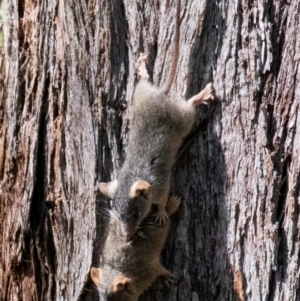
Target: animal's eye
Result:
[[135, 215]]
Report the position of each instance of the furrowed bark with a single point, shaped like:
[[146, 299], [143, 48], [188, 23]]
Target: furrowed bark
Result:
[[66, 83]]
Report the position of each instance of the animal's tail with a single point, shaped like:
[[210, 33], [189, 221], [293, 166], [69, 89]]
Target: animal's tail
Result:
[[176, 49]]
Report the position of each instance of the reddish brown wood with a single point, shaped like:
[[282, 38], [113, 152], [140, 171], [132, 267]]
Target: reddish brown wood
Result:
[[66, 82]]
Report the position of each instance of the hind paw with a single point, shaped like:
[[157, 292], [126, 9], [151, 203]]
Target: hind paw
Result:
[[203, 96], [140, 65]]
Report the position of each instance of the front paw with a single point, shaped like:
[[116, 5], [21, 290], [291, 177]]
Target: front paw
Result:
[[169, 279], [161, 217]]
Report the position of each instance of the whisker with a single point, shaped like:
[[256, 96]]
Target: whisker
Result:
[[144, 236], [137, 234], [141, 234], [150, 226]]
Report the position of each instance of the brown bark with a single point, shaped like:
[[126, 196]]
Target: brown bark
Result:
[[66, 82]]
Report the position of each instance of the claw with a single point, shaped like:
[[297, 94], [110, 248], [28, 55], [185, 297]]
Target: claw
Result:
[[142, 58], [161, 218], [170, 280], [140, 65], [172, 205], [203, 96]]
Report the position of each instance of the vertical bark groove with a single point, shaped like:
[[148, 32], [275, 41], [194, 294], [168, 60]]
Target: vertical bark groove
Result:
[[66, 82]]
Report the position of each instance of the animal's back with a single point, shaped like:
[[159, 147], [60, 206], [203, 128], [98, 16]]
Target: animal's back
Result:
[[159, 124]]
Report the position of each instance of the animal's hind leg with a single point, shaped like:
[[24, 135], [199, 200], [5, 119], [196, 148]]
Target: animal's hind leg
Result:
[[203, 96], [140, 65]]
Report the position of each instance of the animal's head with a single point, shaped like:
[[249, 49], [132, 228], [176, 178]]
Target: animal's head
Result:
[[131, 203], [113, 285]]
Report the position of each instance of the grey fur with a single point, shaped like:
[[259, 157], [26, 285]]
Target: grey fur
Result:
[[159, 124], [138, 260]]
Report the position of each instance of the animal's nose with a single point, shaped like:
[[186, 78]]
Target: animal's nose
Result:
[[126, 232]]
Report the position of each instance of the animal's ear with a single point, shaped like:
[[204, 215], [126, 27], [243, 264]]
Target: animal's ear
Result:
[[109, 189], [121, 283], [96, 275], [140, 187]]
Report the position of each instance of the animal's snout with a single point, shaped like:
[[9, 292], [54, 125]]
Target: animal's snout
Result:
[[127, 233], [128, 237]]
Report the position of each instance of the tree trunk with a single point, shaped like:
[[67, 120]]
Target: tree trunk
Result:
[[66, 83]]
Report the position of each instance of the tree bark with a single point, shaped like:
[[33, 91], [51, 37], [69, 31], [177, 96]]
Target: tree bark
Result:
[[66, 83]]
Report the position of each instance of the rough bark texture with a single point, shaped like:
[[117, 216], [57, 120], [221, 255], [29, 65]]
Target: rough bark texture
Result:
[[66, 82]]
